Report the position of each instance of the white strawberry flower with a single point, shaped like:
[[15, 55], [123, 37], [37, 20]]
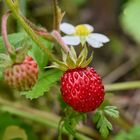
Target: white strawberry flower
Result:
[[82, 34]]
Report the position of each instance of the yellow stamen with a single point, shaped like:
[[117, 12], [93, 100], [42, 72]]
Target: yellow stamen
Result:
[[82, 30]]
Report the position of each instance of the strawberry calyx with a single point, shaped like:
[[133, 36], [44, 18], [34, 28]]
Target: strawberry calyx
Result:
[[16, 57], [72, 61]]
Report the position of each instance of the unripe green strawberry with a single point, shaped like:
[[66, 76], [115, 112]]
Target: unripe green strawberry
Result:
[[22, 76], [82, 89]]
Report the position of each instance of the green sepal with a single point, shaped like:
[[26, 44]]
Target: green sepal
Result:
[[62, 64], [70, 62], [12, 52], [83, 41], [64, 56], [59, 65], [79, 61], [87, 62], [82, 57], [73, 53], [84, 53], [21, 52]]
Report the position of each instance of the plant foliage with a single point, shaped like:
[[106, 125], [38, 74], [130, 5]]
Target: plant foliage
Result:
[[101, 120]]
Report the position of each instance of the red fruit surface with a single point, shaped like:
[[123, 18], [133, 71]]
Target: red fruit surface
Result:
[[22, 76], [82, 89]]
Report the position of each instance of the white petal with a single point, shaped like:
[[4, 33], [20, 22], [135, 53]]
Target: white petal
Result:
[[71, 40], [67, 28], [94, 43], [91, 28], [99, 37]]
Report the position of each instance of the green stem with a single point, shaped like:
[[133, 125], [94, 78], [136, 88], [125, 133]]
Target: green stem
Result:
[[122, 122], [27, 28], [22, 5], [58, 38], [60, 127], [55, 36], [56, 13], [122, 86]]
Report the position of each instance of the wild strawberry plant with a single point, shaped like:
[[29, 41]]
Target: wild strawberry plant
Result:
[[30, 66]]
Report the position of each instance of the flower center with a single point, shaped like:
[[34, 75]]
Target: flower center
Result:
[[82, 30]]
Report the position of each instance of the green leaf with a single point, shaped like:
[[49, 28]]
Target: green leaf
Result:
[[71, 119], [102, 123], [130, 19], [4, 57], [105, 127], [19, 39], [5, 60], [111, 111], [13, 39], [96, 116], [39, 55], [43, 84], [100, 118]]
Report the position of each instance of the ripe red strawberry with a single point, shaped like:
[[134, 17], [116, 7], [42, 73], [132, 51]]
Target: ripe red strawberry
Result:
[[82, 89], [22, 76]]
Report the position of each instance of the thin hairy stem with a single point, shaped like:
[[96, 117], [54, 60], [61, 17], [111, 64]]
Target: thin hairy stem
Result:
[[4, 32], [29, 30], [56, 15], [58, 38]]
